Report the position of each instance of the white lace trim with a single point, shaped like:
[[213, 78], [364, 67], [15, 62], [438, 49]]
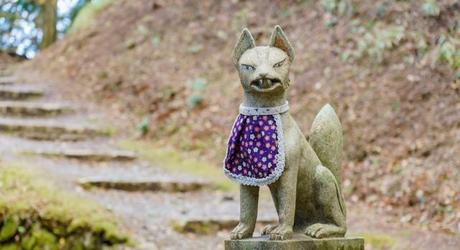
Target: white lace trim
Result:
[[280, 159], [264, 110]]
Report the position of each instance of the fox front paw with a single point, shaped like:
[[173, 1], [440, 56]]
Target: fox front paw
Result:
[[320, 230], [280, 232], [242, 231], [268, 229]]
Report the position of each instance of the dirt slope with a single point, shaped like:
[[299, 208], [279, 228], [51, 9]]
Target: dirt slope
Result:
[[170, 61]]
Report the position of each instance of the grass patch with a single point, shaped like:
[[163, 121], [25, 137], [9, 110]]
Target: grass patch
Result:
[[88, 13], [108, 130], [377, 241], [173, 160], [35, 215]]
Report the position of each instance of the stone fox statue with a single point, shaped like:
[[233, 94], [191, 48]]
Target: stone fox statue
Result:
[[266, 147]]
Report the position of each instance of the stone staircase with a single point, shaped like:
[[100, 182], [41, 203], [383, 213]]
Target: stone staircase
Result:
[[55, 130], [60, 140]]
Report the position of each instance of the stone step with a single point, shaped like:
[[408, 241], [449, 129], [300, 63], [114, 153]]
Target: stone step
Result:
[[142, 184], [19, 92], [88, 154], [48, 130], [207, 225], [96, 150], [14, 108], [5, 72], [7, 80]]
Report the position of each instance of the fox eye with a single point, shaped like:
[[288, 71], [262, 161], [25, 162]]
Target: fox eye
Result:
[[279, 64], [247, 67]]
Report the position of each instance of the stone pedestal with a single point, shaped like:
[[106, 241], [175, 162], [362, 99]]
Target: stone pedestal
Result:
[[298, 242]]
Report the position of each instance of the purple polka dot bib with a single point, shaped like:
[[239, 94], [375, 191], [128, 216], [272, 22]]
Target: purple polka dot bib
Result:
[[255, 150]]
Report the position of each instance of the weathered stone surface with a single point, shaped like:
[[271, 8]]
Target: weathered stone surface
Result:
[[143, 184], [298, 242], [19, 92], [209, 225], [306, 190], [12, 108], [42, 130], [90, 154]]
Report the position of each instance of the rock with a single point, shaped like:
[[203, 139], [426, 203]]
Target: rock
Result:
[[298, 242], [143, 184]]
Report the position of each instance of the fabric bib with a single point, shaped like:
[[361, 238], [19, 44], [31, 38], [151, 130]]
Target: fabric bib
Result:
[[255, 150]]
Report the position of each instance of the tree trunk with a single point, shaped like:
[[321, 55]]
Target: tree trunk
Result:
[[48, 20]]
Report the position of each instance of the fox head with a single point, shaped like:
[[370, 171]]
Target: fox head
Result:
[[263, 70]]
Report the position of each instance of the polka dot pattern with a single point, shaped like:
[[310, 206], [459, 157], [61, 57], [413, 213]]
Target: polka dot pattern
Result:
[[253, 148]]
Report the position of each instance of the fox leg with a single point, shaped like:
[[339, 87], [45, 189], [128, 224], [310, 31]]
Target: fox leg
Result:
[[249, 199], [332, 221], [284, 192], [269, 228]]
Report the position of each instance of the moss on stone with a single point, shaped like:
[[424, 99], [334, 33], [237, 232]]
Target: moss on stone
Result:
[[10, 246], [197, 227], [9, 228], [87, 15], [35, 215]]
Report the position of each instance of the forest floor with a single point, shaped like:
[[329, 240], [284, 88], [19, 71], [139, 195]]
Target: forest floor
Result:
[[159, 206]]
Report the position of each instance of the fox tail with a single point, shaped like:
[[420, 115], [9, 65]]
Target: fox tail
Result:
[[326, 139]]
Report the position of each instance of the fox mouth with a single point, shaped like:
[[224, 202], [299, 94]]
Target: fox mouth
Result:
[[265, 84]]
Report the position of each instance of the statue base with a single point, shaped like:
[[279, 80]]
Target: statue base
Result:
[[298, 242]]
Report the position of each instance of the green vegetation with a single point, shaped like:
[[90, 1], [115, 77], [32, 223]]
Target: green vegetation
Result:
[[380, 39], [374, 42], [170, 159], [87, 14], [34, 215], [340, 7], [377, 241], [448, 51], [196, 88], [430, 8], [199, 227]]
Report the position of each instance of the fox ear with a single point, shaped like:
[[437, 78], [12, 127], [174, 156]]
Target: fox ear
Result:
[[279, 40], [245, 42]]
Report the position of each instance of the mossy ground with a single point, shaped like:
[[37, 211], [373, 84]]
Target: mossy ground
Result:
[[377, 241], [171, 159], [34, 214]]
